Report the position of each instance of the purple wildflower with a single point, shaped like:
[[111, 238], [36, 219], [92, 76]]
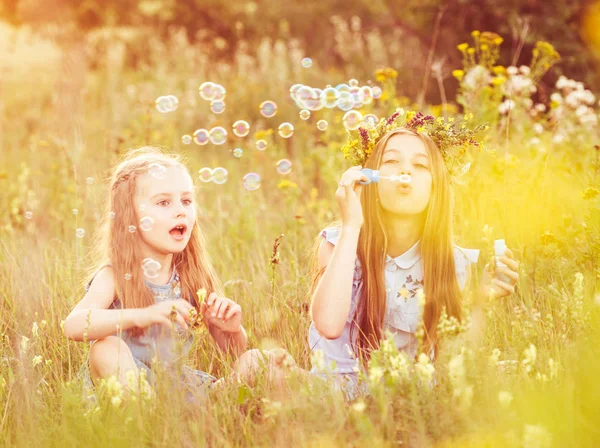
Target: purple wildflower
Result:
[[364, 135], [419, 120], [392, 118]]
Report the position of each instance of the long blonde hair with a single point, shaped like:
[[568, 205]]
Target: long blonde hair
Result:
[[437, 257], [115, 245]]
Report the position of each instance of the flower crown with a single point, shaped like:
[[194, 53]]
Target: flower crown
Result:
[[452, 137]]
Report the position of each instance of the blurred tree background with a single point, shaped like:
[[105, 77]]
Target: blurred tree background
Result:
[[333, 32]]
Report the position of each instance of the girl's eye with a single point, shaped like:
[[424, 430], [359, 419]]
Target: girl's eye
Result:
[[163, 203], [390, 161], [421, 165], [187, 201]]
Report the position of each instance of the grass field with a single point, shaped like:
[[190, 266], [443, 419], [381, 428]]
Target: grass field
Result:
[[67, 113]]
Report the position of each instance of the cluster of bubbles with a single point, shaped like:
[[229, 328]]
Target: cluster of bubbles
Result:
[[216, 136], [343, 96], [353, 119], [150, 267], [167, 103], [215, 93], [217, 175]]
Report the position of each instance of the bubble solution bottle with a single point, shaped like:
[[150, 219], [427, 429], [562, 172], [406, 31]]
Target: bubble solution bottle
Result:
[[499, 251]]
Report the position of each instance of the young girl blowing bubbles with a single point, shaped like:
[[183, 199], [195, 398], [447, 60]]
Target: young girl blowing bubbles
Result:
[[141, 299], [394, 243]]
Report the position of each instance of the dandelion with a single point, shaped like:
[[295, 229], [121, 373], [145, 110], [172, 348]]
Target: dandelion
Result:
[[504, 398], [536, 436], [359, 406], [24, 343], [36, 360], [424, 368], [116, 401], [529, 358]]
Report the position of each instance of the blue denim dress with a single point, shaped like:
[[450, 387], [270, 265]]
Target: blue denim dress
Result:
[[403, 280], [157, 343]]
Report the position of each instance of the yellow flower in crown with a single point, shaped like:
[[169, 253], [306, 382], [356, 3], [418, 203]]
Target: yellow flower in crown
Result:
[[453, 137]]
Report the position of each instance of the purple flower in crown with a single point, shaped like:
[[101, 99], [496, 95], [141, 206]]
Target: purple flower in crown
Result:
[[364, 136], [392, 118], [419, 120]]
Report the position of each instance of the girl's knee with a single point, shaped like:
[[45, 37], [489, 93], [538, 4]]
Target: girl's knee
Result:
[[107, 354]]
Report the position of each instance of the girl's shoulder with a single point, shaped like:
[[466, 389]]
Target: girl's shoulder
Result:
[[104, 274], [104, 282]]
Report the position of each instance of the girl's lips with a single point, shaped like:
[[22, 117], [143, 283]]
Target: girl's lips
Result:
[[404, 189], [177, 236]]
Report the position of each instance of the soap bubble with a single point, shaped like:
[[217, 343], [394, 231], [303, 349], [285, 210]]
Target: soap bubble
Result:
[[304, 114], [89, 180], [127, 276], [157, 170], [205, 174], [345, 101], [186, 139], [166, 104], [251, 181], [286, 130], [142, 207], [80, 233], [370, 120], [151, 268], [217, 106], [207, 90], [352, 120], [268, 109], [112, 215], [342, 88], [241, 128], [146, 223], [329, 97], [353, 83], [238, 152], [75, 211], [308, 98], [219, 175], [322, 125], [218, 135], [367, 93], [131, 229], [358, 96], [28, 215], [306, 62], [294, 91], [219, 92], [261, 145], [284, 166], [201, 136], [377, 92]]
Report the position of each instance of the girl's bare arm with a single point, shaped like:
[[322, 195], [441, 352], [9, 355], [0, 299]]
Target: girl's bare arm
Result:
[[332, 297]]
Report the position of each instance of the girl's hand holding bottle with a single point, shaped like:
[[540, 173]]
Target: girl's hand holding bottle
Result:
[[348, 197]]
